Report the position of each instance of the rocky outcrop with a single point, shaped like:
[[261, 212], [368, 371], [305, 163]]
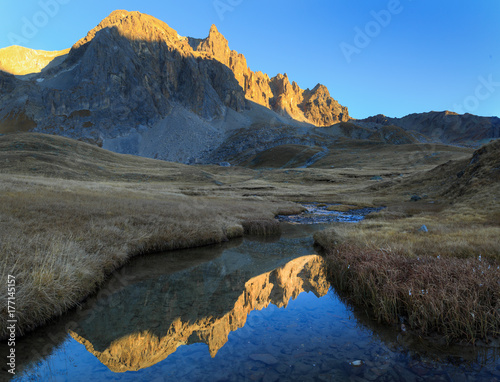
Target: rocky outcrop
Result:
[[321, 109], [287, 97], [131, 71], [446, 126], [179, 313], [278, 93]]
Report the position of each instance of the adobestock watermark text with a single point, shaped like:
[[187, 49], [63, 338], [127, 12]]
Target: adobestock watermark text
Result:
[[31, 25], [372, 29], [485, 88], [11, 324], [223, 6]]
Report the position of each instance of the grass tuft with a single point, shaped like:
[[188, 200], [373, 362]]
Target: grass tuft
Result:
[[444, 281], [262, 227]]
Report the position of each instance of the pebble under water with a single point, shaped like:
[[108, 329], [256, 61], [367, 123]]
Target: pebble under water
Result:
[[248, 310]]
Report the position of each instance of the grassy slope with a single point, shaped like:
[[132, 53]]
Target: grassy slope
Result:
[[71, 213], [446, 280], [82, 211]]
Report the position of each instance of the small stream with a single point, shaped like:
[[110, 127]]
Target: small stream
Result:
[[248, 310], [317, 213]]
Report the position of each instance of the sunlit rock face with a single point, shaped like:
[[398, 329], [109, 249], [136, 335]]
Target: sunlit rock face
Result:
[[133, 74], [278, 93], [146, 322], [19, 61]]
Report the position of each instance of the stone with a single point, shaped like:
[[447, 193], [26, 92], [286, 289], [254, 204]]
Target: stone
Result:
[[415, 198], [268, 359], [302, 368], [271, 376]]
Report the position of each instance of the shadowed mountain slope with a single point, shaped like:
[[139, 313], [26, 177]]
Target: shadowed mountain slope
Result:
[[133, 85], [445, 127]]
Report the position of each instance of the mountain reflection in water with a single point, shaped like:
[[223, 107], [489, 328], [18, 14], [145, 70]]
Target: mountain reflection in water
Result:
[[224, 302], [148, 320]]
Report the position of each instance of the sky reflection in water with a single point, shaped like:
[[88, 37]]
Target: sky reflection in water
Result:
[[248, 310]]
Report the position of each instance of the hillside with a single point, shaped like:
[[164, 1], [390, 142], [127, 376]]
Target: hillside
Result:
[[446, 126], [475, 179], [50, 156]]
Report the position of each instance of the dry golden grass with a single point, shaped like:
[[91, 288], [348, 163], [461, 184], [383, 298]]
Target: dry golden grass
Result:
[[265, 227], [71, 213], [455, 235], [445, 281], [61, 238], [457, 298]]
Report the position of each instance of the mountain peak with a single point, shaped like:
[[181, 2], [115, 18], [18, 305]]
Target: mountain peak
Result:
[[132, 25], [133, 71], [213, 30], [216, 39], [279, 93], [119, 13], [321, 89]]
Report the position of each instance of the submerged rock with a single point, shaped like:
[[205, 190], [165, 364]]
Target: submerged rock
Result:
[[268, 359]]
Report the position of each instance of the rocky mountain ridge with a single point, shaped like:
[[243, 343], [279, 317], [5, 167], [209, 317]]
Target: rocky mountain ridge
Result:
[[133, 85], [315, 106], [159, 54], [19, 61], [446, 126]]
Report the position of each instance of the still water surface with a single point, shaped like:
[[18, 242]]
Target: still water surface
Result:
[[248, 310]]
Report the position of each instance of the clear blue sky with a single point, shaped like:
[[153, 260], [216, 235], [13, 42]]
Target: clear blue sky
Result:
[[390, 57]]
